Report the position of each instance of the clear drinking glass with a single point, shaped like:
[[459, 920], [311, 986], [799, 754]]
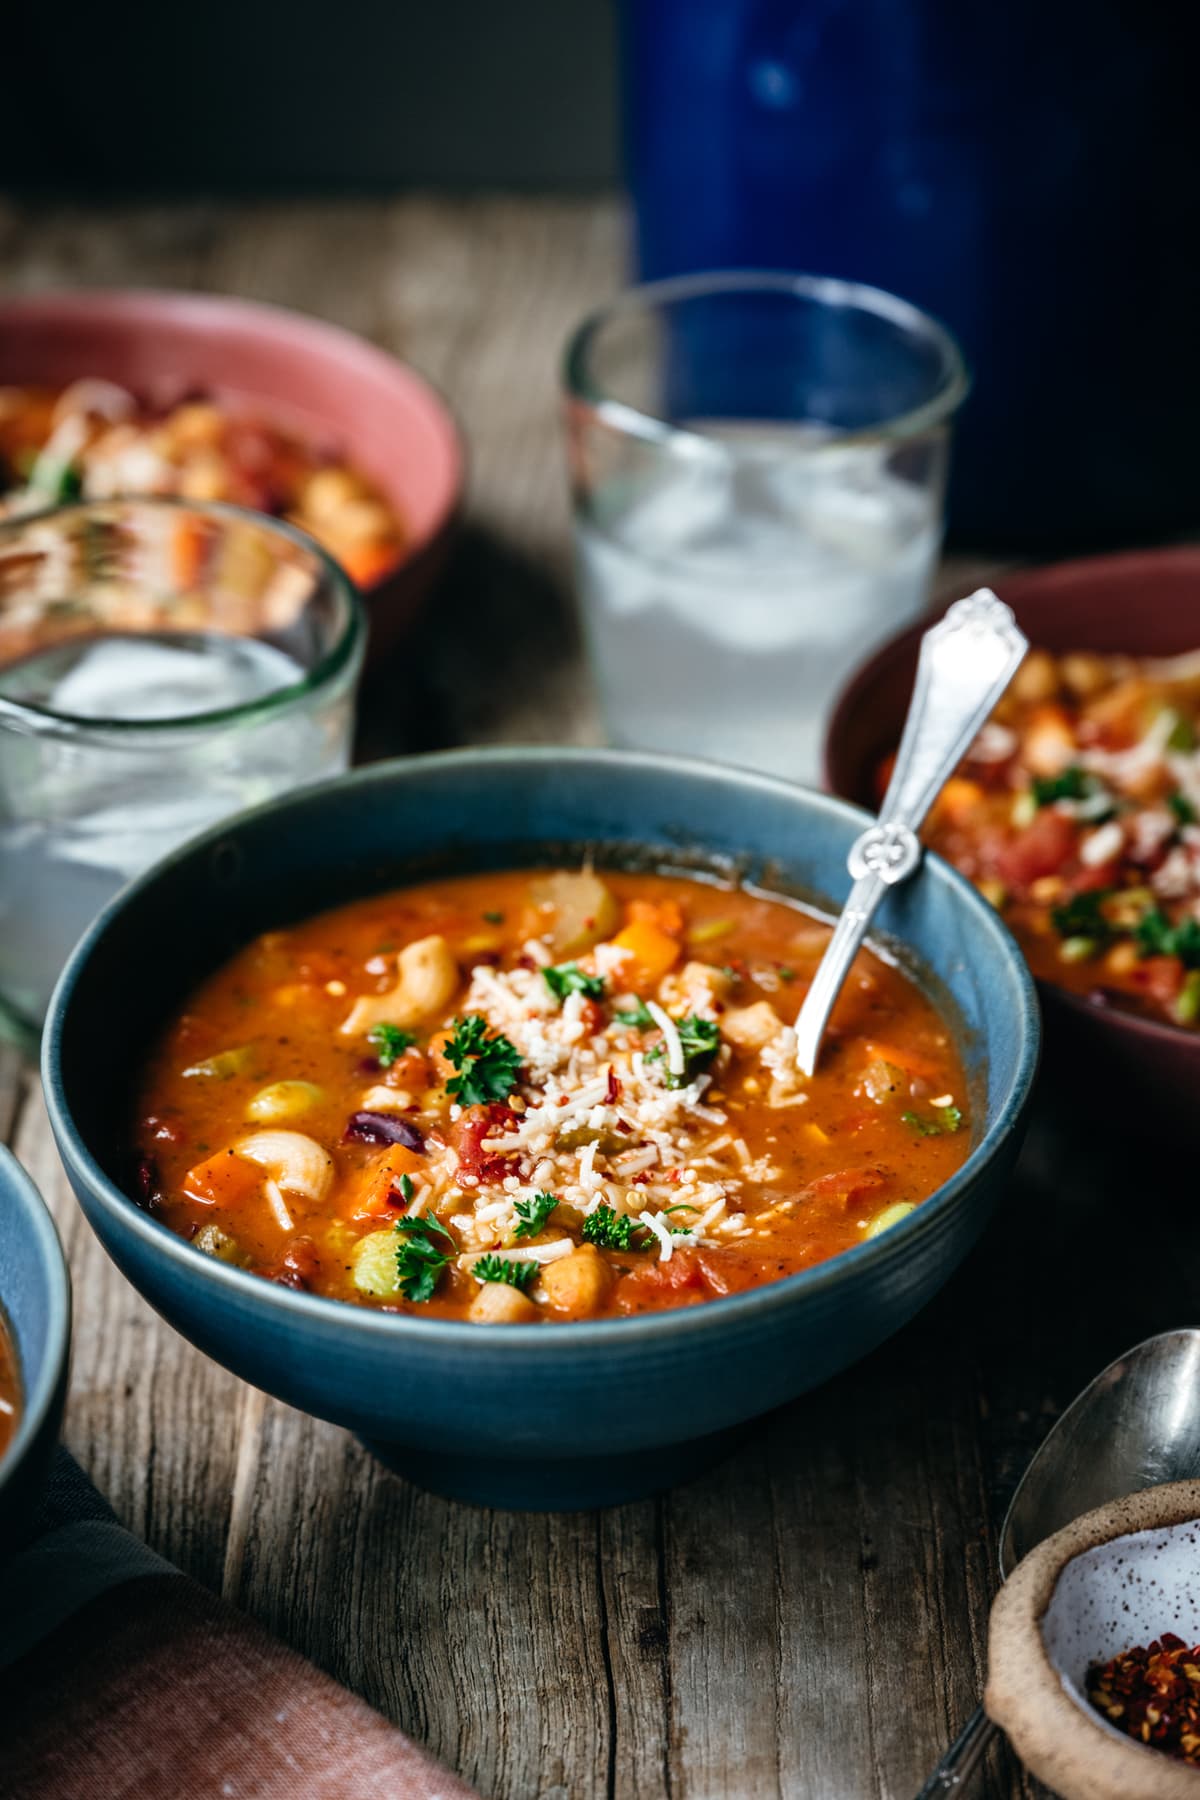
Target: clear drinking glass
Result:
[[758, 466], [162, 664]]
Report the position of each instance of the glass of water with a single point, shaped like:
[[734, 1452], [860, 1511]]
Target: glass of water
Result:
[[758, 465], [162, 664]]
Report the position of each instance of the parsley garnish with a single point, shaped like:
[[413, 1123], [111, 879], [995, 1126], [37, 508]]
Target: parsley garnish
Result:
[[569, 978], [406, 1188], [389, 1042], [1081, 917], [494, 918], [419, 1261], [500, 1268], [700, 1040], [532, 1214], [946, 1120], [639, 1016], [487, 1066], [1183, 808], [610, 1230], [1071, 784], [1156, 936]]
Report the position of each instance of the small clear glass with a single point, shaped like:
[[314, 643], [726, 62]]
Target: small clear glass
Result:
[[758, 467], [162, 665]]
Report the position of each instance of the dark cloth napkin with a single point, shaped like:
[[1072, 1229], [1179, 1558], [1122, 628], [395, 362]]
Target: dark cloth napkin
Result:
[[122, 1679]]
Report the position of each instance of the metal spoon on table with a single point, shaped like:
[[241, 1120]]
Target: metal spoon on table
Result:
[[1135, 1425], [967, 660]]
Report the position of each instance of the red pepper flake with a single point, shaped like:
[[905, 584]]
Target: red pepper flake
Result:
[[1153, 1695], [614, 1087], [564, 1099]]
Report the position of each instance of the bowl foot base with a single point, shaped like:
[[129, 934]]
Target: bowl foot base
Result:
[[556, 1484]]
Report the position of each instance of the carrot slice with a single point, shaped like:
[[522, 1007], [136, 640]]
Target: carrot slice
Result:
[[189, 548], [225, 1179], [664, 915], [652, 949], [368, 1198]]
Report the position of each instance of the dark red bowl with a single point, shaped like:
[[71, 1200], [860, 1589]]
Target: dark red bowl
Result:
[[324, 381], [1143, 603]]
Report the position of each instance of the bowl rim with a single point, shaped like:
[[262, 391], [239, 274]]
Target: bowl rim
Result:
[[38, 1403], [833, 292], [860, 683], [510, 763], [304, 333]]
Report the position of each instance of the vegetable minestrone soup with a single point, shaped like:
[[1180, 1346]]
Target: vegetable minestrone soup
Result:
[[544, 1096]]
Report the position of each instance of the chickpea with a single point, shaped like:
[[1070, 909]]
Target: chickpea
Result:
[[577, 1284], [197, 425], [328, 490], [1037, 678], [359, 521], [1085, 673], [752, 1027], [498, 1304]]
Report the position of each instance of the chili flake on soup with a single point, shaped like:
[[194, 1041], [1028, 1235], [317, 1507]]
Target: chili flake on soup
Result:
[[544, 1096], [1077, 814]]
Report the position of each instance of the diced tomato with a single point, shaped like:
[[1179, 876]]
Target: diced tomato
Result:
[[844, 1185], [1040, 849], [1160, 977], [468, 1133], [591, 1017], [1089, 881], [683, 1274]]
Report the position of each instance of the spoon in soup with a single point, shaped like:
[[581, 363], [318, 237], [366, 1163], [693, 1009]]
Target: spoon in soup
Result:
[[967, 661], [1135, 1425]]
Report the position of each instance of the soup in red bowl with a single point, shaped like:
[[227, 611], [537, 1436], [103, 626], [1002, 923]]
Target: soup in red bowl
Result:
[[1077, 810], [207, 396]]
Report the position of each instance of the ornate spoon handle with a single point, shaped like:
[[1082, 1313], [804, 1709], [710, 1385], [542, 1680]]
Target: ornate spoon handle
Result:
[[967, 660]]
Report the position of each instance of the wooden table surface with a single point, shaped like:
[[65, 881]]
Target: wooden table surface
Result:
[[807, 1621]]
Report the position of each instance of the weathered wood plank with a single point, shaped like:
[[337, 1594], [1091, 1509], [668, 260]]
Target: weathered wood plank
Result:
[[806, 1620]]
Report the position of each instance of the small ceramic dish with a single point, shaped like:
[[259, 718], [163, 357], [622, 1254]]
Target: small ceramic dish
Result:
[[1143, 603], [35, 1299], [325, 382], [564, 1415], [1116, 1577]]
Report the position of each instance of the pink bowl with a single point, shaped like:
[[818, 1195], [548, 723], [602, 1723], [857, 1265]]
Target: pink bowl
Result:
[[1144, 603], [331, 385]]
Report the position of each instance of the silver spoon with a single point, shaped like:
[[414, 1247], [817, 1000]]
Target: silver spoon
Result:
[[967, 660], [1136, 1424]]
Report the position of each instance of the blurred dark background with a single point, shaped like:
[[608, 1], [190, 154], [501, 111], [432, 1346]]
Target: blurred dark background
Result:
[[255, 97], [1025, 172]]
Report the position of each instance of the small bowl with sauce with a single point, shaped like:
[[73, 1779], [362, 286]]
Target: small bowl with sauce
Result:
[[1091, 1670], [35, 1330]]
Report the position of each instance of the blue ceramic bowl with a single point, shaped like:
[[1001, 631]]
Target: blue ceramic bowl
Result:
[[541, 1416], [35, 1300]]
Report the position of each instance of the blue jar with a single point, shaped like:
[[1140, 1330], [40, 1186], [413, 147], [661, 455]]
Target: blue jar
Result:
[[1025, 172]]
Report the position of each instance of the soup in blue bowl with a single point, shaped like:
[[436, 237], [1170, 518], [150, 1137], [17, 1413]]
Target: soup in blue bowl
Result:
[[35, 1330], [604, 1403]]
